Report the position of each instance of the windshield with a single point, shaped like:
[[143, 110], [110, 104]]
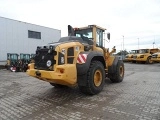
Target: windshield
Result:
[[144, 51], [26, 57], [14, 57], [85, 33], [134, 51]]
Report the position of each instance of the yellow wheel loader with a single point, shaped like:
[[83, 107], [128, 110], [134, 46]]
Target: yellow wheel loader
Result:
[[156, 57], [129, 57], [78, 59], [145, 55]]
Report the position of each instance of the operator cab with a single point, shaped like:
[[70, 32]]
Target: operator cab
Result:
[[143, 51], [12, 59], [93, 34], [24, 56], [12, 56]]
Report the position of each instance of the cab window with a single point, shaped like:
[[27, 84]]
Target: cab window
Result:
[[99, 39], [84, 33]]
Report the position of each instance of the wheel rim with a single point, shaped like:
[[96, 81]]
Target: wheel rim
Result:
[[98, 78], [121, 69], [149, 59]]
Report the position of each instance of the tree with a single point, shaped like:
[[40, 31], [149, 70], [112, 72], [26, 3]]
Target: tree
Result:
[[123, 52]]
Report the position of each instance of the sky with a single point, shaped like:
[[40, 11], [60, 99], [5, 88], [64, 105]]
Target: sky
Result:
[[132, 24]]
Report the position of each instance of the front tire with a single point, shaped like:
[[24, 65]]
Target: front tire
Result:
[[119, 74], [149, 61], [95, 79]]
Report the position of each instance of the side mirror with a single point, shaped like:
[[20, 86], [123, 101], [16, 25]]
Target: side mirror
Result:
[[108, 36]]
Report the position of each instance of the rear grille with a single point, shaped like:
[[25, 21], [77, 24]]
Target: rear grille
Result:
[[70, 55], [70, 51], [41, 58]]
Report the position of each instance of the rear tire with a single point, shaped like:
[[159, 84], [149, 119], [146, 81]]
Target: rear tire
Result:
[[95, 79], [119, 74]]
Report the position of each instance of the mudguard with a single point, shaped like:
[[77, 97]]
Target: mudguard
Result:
[[112, 68], [83, 68]]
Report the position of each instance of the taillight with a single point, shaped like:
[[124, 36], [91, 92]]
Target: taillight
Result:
[[61, 70]]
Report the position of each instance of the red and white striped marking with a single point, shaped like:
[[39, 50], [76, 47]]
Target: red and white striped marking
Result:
[[82, 58]]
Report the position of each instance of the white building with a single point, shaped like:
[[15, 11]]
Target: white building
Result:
[[21, 37]]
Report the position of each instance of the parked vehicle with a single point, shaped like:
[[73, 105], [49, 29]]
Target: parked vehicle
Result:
[[129, 57], [145, 55], [12, 60], [156, 57]]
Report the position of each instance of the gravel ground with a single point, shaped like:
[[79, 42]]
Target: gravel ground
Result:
[[136, 98]]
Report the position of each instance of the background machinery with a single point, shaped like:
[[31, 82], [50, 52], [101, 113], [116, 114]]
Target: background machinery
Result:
[[32, 58], [78, 59], [145, 55], [12, 60], [129, 57], [23, 62], [156, 57], [14, 63]]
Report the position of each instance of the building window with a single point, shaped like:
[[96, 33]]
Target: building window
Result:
[[34, 34]]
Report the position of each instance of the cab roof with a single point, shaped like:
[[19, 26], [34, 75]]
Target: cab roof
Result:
[[90, 26]]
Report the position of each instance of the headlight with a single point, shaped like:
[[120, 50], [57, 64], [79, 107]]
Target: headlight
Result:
[[49, 63]]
